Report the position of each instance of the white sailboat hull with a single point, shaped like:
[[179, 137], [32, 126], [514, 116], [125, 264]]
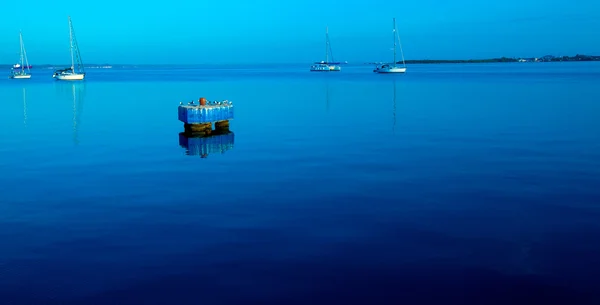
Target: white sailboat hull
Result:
[[26, 76], [391, 70], [69, 76]]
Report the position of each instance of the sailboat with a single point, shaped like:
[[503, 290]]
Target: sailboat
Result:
[[326, 66], [393, 67], [21, 69], [75, 72]]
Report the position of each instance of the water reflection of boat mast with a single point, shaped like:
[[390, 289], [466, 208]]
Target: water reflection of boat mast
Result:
[[394, 109], [327, 97], [76, 93], [76, 114], [24, 108]]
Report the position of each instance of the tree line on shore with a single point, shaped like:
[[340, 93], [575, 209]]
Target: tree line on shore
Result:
[[547, 58]]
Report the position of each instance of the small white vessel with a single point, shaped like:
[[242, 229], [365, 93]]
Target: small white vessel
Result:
[[20, 76], [393, 67], [325, 65], [68, 74], [21, 69], [76, 71], [389, 69]]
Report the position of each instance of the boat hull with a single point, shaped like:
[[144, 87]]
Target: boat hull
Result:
[[391, 70], [326, 69], [69, 76], [26, 76]]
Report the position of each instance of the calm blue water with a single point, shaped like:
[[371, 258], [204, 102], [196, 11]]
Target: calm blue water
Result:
[[452, 184]]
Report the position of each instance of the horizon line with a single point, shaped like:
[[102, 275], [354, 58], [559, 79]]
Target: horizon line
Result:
[[299, 63]]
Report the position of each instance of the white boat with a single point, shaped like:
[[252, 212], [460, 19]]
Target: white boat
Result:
[[76, 71], [67, 74], [386, 68], [21, 69], [393, 67], [325, 65], [20, 76]]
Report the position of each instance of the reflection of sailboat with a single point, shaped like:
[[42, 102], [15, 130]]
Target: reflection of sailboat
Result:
[[327, 97], [24, 108], [394, 109], [74, 94], [78, 92]]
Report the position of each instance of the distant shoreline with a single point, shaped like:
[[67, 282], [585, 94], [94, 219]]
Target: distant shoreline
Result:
[[547, 58]]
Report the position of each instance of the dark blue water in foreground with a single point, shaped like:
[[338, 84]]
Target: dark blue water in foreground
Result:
[[452, 184]]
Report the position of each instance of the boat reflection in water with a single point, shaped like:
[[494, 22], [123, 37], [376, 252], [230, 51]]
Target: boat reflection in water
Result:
[[394, 108], [75, 93], [78, 94], [327, 97], [203, 145], [25, 107]]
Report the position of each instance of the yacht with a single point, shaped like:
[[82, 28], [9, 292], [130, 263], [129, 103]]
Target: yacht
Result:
[[393, 67], [325, 65], [76, 71], [21, 69]]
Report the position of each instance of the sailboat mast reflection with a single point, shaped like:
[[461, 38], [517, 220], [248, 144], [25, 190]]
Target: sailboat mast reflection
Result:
[[24, 108], [75, 138], [74, 94], [394, 109], [77, 109], [327, 97]]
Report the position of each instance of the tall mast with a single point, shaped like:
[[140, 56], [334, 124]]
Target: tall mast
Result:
[[24, 60], [400, 44], [326, 44], [21, 51], [394, 32], [71, 45]]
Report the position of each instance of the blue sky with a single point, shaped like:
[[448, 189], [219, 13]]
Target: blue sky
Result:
[[238, 31]]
